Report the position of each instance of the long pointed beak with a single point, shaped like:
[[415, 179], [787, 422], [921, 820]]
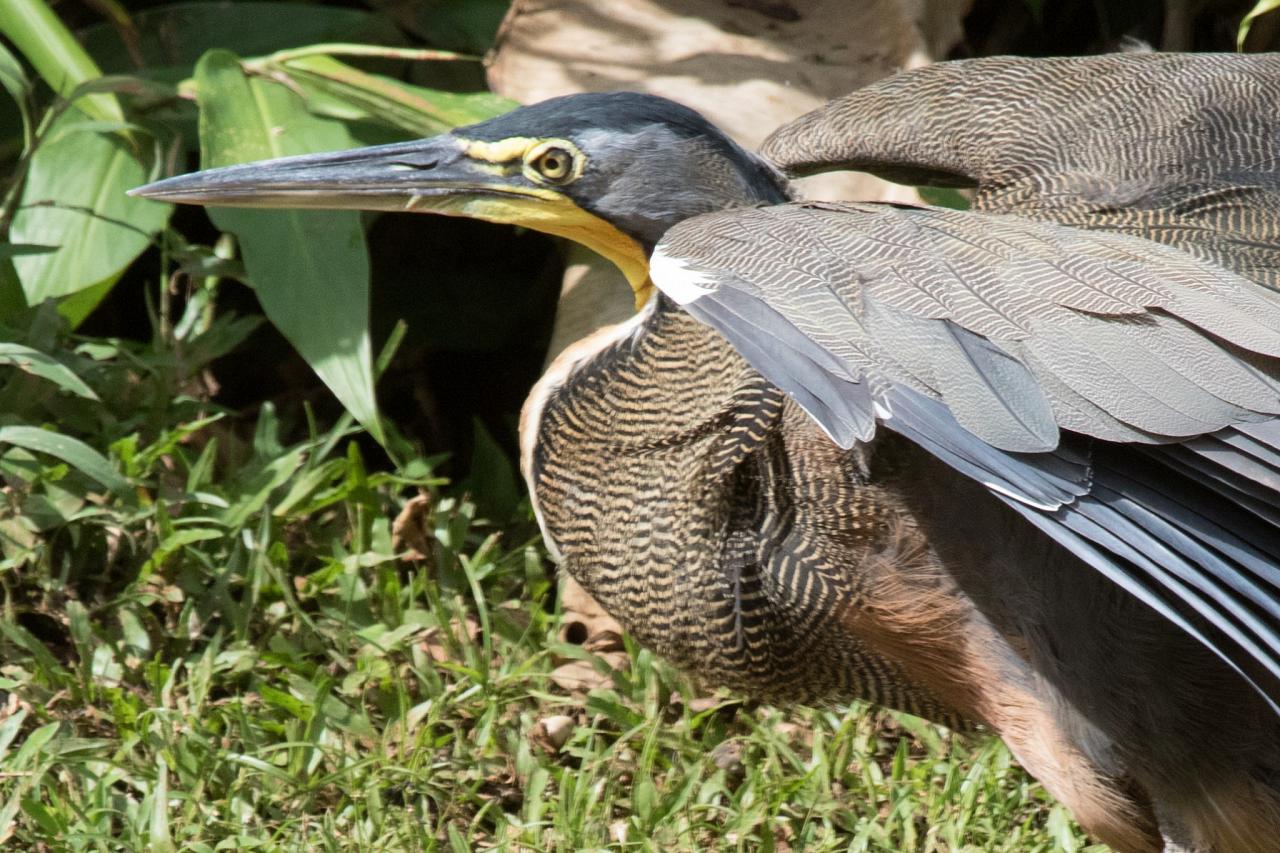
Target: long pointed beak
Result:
[[400, 176], [434, 175]]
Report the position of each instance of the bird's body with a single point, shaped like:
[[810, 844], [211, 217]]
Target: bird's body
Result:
[[723, 529], [1050, 504]]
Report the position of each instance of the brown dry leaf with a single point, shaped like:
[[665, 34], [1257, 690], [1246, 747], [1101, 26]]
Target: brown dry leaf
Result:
[[435, 644], [787, 730], [586, 624], [623, 766], [704, 703], [795, 734], [604, 641], [504, 788], [551, 733], [411, 531], [584, 619], [616, 660], [579, 676], [727, 755]]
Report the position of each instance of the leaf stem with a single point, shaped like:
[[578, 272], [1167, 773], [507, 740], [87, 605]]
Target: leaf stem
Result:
[[347, 49]]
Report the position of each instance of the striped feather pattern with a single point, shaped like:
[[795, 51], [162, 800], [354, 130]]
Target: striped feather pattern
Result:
[[668, 478], [1023, 328], [1116, 338], [1178, 148], [1017, 326]]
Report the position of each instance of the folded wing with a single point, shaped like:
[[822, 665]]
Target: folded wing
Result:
[[1182, 149], [1121, 395]]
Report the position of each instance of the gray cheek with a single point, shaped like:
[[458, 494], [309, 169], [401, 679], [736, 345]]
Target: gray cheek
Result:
[[648, 181], [646, 202]]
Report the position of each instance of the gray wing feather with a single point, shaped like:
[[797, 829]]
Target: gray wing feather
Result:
[[1114, 365], [1242, 456], [810, 375], [1043, 480], [1077, 413], [994, 315], [1096, 546], [981, 337], [991, 393], [1216, 369], [1237, 490]]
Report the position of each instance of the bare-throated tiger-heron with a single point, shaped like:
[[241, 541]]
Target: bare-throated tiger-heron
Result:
[[1018, 465]]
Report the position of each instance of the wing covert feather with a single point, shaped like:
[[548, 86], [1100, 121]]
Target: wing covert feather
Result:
[[993, 315], [999, 344]]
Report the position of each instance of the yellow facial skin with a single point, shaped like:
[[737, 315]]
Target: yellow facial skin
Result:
[[542, 209]]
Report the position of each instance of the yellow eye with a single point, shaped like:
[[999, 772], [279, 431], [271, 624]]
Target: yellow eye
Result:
[[554, 164]]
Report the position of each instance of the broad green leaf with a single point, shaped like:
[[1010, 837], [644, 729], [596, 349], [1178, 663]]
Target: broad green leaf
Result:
[[56, 55], [14, 80], [9, 730], [310, 268], [83, 210], [32, 749], [74, 452], [1263, 7], [12, 299], [421, 111], [77, 307], [158, 836], [46, 367], [943, 197]]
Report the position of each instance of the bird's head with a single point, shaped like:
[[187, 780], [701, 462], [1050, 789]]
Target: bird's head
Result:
[[610, 171]]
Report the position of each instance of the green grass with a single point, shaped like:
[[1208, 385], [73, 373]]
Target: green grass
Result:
[[243, 656]]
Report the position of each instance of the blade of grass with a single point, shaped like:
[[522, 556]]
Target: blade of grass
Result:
[[1246, 23], [73, 451], [56, 55], [46, 367]]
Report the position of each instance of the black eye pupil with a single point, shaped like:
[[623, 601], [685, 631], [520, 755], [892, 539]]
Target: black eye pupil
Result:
[[554, 164]]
